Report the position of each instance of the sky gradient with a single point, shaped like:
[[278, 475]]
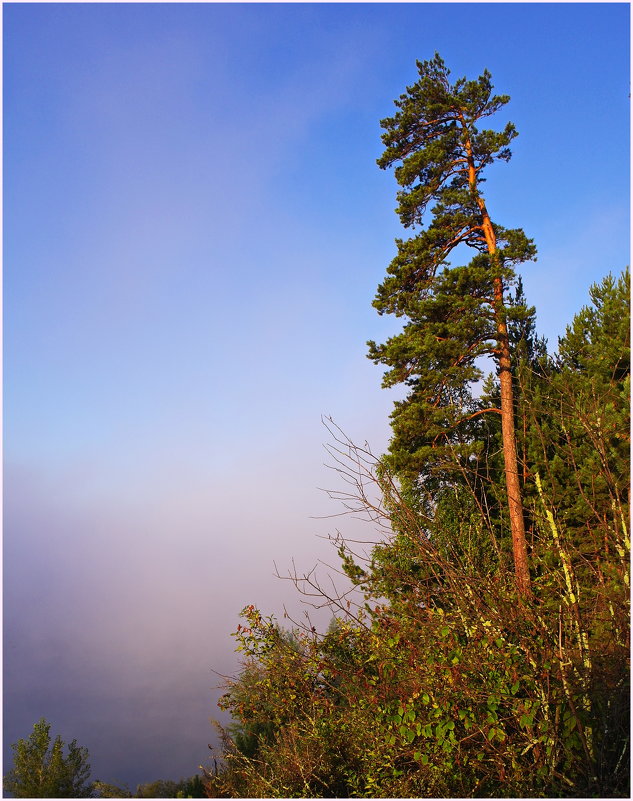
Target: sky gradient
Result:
[[194, 230]]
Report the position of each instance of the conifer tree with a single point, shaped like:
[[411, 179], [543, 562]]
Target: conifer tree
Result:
[[580, 442], [454, 314]]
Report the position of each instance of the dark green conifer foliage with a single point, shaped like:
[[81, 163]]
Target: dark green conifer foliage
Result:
[[454, 315], [579, 436]]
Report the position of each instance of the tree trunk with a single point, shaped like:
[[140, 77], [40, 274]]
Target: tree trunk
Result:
[[508, 433]]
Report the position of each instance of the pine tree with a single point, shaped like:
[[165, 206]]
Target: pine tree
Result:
[[454, 315]]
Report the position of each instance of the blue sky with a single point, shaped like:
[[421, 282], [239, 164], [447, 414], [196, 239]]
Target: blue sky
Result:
[[194, 230]]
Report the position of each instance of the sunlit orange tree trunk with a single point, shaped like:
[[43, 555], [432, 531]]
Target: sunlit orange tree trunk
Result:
[[454, 314]]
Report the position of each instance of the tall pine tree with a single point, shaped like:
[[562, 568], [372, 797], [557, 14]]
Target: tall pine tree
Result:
[[454, 314]]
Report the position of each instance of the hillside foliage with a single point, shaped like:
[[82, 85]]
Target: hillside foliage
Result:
[[481, 645], [437, 680]]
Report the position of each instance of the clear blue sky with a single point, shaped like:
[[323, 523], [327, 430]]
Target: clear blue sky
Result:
[[194, 229]]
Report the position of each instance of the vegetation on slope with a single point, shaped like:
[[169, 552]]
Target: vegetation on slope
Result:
[[484, 649]]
